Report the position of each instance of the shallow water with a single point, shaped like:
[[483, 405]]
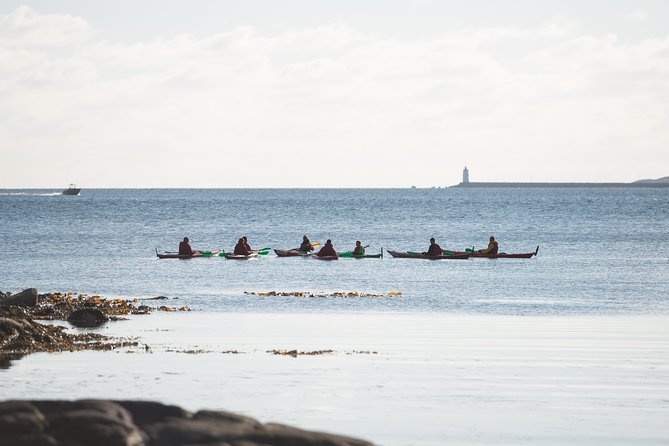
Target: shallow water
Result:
[[436, 378]]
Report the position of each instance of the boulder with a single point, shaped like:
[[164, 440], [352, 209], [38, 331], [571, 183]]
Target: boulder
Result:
[[144, 423], [87, 317], [26, 298]]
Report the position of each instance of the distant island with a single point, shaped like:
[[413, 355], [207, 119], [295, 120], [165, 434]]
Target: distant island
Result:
[[659, 182]]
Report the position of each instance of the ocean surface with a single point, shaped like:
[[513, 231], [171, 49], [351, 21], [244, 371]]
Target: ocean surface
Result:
[[569, 347], [603, 251]]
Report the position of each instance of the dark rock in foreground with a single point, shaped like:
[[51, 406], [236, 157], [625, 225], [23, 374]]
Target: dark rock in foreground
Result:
[[144, 423], [26, 298]]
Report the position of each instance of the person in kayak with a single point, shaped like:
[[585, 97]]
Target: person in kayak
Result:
[[185, 249], [359, 249], [327, 250], [434, 249], [306, 245], [240, 248], [246, 243], [493, 247]]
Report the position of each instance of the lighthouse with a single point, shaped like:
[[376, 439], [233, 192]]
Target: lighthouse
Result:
[[465, 176]]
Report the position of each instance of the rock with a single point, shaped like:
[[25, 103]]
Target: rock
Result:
[[87, 317], [147, 412], [144, 423], [26, 298]]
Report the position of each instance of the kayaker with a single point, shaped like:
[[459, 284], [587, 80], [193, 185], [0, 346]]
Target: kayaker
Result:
[[240, 248], [306, 245], [327, 250], [246, 243], [185, 249], [359, 249], [493, 247], [434, 249]]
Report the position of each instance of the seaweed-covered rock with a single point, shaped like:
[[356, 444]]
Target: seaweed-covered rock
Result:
[[26, 298]]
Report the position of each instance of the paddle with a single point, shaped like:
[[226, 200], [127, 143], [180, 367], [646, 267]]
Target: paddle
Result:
[[264, 251]]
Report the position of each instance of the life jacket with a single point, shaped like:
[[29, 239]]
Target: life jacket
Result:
[[434, 250], [240, 249], [185, 249], [327, 251], [359, 251]]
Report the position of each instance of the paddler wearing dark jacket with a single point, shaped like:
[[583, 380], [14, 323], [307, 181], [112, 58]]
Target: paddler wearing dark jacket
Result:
[[246, 243], [434, 249], [185, 249], [240, 248], [359, 249], [493, 247], [306, 245], [327, 250]]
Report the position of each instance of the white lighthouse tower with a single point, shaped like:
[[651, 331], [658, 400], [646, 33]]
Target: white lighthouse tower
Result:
[[465, 176]]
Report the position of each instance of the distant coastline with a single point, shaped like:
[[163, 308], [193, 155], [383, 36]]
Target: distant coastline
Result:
[[502, 184], [658, 182]]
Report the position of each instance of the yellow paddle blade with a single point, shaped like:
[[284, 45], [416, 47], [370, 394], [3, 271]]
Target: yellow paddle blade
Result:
[[316, 244]]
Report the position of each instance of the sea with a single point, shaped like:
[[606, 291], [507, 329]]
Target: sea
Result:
[[601, 251], [568, 347]]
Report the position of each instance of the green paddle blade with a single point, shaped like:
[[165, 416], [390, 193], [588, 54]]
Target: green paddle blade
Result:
[[206, 253], [346, 254], [264, 251], [469, 250]]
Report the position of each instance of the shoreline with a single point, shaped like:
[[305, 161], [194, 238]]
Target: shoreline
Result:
[[394, 378]]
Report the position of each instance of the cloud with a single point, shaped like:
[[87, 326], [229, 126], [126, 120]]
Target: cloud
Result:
[[547, 95], [637, 14], [25, 27]]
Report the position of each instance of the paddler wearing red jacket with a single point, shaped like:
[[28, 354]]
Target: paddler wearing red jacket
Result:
[[327, 250], [493, 247], [240, 248], [185, 249], [434, 249], [246, 243]]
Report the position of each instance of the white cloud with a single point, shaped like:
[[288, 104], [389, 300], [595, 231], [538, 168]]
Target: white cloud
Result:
[[243, 97], [25, 27], [637, 14]]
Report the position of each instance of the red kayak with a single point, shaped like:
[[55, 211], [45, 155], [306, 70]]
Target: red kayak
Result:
[[418, 255], [182, 256], [316, 256], [290, 253], [503, 255]]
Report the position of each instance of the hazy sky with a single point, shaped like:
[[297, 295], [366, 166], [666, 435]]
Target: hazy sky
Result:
[[331, 94]]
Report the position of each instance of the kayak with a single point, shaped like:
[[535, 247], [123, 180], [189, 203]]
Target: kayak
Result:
[[350, 255], [290, 253], [171, 255], [417, 255], [503, 255], [317, 257], [231, 256]]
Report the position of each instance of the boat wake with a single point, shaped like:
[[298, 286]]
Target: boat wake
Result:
[[31, 194]]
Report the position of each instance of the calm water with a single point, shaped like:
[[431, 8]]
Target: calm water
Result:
[[603, 251]]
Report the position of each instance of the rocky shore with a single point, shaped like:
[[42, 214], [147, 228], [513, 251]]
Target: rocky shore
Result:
[[144, 423], [20, 334]]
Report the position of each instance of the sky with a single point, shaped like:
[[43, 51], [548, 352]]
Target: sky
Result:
[[341, 93]]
